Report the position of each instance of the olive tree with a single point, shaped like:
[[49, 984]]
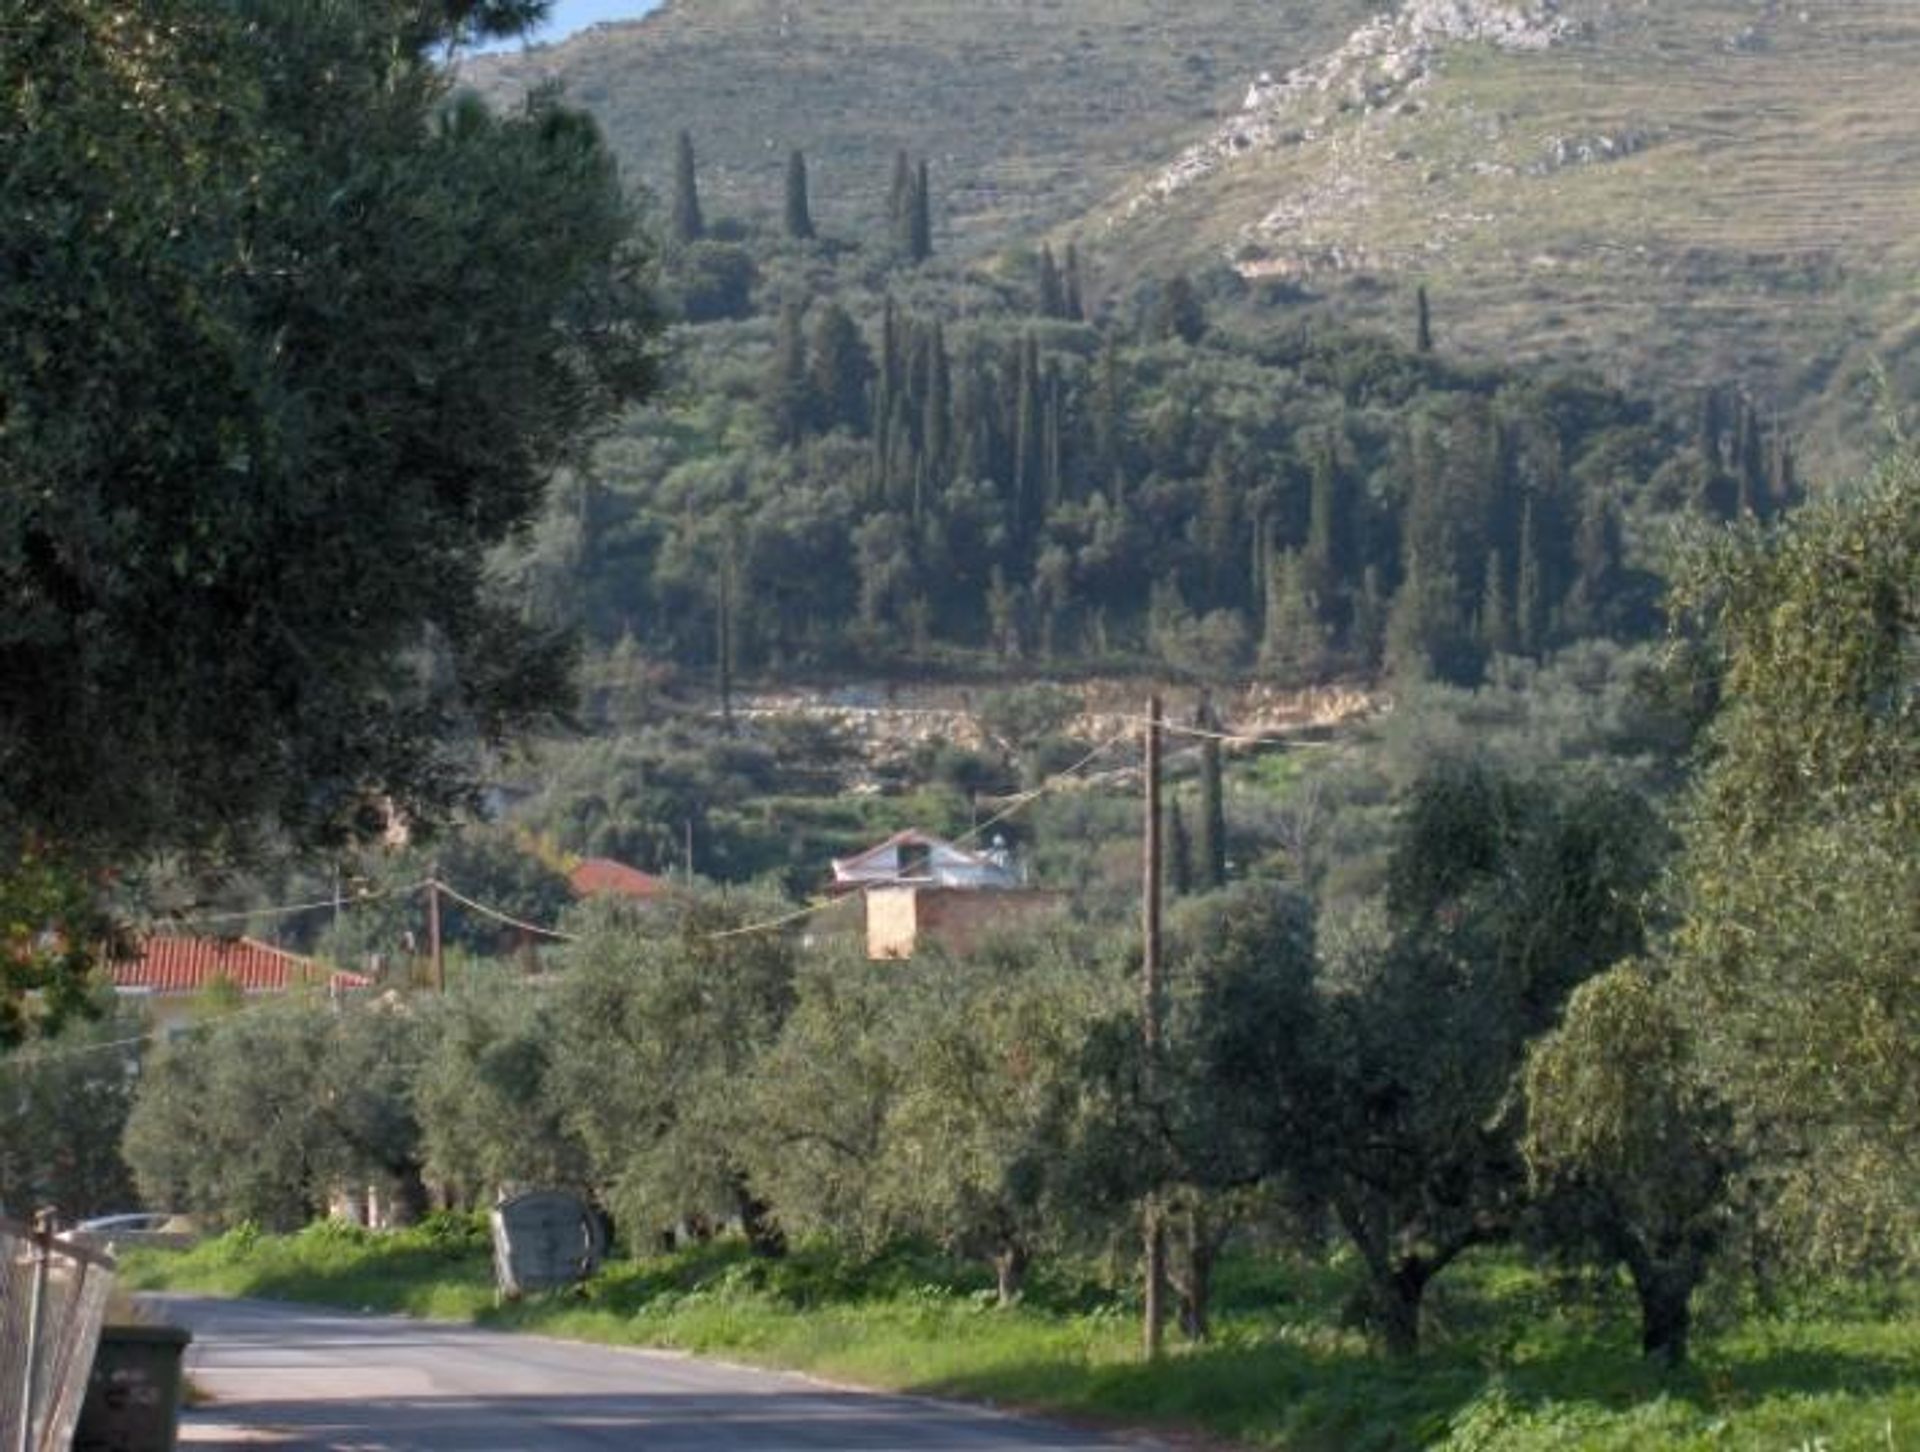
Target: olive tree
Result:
[[489, 1117], [264, 1114], [1629, 1145], [1799, 885], [64, 1103], [664, 1012], [1504, 895]]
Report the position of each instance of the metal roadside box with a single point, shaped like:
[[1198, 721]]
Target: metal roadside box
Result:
[[544, 1240], [133, 1396]]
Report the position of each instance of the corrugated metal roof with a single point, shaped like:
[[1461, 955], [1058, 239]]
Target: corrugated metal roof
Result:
[[604, 875], [948, 864], [187, 965]]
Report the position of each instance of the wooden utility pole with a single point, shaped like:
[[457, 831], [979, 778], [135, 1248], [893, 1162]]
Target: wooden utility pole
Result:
[[436, 959], [1154, 1223]]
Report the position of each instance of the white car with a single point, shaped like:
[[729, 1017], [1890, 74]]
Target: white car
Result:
[[135, 1227], [132, 1222]]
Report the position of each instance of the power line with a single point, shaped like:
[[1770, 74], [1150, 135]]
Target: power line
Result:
[[288, 910], [1018, 804], [1014, 807], [36, 1053], [1275, 737], [500, 917]]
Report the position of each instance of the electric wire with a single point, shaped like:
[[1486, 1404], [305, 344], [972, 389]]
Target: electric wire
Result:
[[499, 917], [288, 910]]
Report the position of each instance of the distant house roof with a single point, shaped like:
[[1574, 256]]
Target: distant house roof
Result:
[[603, 876], [916, 857], [187, 965]]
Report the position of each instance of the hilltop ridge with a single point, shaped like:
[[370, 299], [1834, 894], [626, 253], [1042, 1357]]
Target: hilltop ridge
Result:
[[1029, 111], [1680, 195], [1716, 193]]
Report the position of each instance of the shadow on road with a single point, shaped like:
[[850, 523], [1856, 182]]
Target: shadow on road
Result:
[[658, 1422]]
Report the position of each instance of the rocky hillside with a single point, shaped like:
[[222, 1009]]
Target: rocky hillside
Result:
[[1725, 190], [1714, 191], [1029, 111]]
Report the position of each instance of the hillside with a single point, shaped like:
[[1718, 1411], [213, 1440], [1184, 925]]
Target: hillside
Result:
[[1722, 190], [1030, 111]]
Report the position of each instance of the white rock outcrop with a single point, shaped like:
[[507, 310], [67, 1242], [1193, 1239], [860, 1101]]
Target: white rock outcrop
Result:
[[1379, 67]]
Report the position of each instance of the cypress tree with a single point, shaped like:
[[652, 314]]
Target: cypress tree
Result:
[[1293, 649], [1707, 438], [1423, 325], [799, 212], [903, 460], [1179, 853], [1323, 562], [920, 216], [1053, 302], [1366, 636], [880, 447], [1495, 625], [1596, 563], [839, 371], [786, 396], [936, 407], [1053, 469], [1109, 416], [685, 220], [1751, 462], [893, 369], [1783, 487], [1210, 855], [1529, 591], [1003, 614], [1028, 457], [1260, 561], [970, 451], [1179, 313], [900, 203], [1075, 293]]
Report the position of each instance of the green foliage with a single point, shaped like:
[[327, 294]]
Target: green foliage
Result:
[[51, 926], [64, 1102], [261, 1115], [1798, 877], [799, 211], [986, 1058], [915, 464], [1280, 1374], [489, 1114], [1503, 895], [664, 1011], [1632, 1146], [685, 222], [712, 281], [933, 1096], [254, 447]]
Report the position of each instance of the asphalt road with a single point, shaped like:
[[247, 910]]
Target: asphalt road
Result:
[[297, 1377]]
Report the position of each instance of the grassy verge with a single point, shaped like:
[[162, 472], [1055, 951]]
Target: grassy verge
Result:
[[1514, 1362]]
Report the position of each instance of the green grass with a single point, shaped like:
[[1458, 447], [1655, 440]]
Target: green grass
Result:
[[1514, 1360]]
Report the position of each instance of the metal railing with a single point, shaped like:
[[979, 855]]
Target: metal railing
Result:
[[53, 1297]]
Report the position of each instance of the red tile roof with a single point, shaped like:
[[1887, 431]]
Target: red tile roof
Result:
[[187, 965], [616, 879]]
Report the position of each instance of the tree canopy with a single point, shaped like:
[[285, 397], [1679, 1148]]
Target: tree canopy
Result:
[[293, 338]]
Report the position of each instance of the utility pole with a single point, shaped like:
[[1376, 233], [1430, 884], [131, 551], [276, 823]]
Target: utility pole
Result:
[[1154, 1225], [436, 959]]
